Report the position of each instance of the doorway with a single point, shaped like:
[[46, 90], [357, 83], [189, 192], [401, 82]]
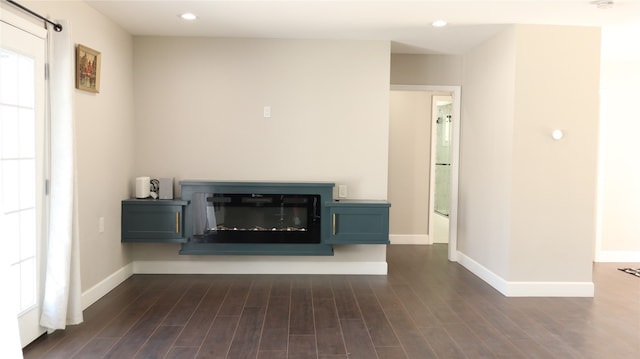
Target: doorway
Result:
[[454, 129], [22, 166], [440, 178]]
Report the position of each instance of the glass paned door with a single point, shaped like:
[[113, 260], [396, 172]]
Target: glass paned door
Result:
[[21, 169], [443, 157], [441, 148]]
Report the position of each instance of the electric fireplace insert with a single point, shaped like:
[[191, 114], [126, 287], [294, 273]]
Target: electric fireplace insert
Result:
[[255, 218]]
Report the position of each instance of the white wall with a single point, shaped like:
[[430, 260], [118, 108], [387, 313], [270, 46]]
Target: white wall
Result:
[[199, 115], [104, 137], [527, 203]]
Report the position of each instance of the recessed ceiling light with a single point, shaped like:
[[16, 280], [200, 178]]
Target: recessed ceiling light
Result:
[[439, 23], [188, 16], [603, 4]]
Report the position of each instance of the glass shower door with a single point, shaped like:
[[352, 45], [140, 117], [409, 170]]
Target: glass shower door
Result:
[[443, 157]]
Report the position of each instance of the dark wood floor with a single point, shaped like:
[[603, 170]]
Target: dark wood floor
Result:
[[426, 307]]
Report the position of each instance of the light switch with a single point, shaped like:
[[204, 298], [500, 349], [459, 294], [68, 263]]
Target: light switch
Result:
[[342, 191]]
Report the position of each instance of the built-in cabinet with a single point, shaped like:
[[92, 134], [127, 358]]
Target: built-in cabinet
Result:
[[153, 220], [359, 222], [175, 221]]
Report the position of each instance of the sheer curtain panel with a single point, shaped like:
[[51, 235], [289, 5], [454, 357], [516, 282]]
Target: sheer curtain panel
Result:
[[62, 297]]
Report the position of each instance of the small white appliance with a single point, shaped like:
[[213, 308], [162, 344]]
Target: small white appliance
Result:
[[143, 187]]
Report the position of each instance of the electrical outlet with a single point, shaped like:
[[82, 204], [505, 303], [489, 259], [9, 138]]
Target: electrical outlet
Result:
[[266, 111], [101, 225]]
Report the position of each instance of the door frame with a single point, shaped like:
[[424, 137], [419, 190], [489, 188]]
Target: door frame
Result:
[[32, 317], [433, 127], [455, 158]]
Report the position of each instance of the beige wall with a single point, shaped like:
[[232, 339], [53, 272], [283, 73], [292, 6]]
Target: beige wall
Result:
[[339, 92], [409, 161], [410, 139], [485, 152], [436, 70], [199, 113], [104, 137], [553, 198], [527, 203]]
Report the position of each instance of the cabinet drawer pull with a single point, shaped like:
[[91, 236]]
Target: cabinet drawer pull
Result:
[[334, 224], [177, 222]]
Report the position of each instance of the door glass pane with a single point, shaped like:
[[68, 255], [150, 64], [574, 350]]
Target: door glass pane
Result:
[[10, 184], [12, 230], [10, 131], [9, 74], [18, 166], [26, 84], [26, 130]]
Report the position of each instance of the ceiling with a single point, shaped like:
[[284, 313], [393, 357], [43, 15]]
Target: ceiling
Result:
[[407, 24]]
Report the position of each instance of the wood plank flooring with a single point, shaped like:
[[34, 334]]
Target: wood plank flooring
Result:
[[426, 307]]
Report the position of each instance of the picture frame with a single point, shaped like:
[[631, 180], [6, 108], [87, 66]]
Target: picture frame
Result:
[[87, 69]]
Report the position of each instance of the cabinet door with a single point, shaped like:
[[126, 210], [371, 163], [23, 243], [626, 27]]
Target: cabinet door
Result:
[[152, 223], [359, 225]]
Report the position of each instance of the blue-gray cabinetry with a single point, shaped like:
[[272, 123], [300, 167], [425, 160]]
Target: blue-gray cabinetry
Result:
[[359, 222], [152, 220], [297, 219]]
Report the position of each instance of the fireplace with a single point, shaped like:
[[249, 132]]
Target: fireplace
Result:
[[255, 218]]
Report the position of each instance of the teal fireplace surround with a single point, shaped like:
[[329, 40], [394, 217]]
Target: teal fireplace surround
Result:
[[323, 189], [342, 222]]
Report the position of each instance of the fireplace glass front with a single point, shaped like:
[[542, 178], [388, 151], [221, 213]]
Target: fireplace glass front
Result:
[[255, 218]]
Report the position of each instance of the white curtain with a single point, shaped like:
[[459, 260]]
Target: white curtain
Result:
[[62, 296]]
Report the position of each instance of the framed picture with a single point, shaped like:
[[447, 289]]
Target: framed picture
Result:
[[87, 69]]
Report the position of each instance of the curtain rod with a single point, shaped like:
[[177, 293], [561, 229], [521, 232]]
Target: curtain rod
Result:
[[56, 26]]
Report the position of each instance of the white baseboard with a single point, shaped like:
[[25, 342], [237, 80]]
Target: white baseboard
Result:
[[485, 274], [96, 292], [618, 256], [551, 289], [527, 289], [261, 267], [420, 239]]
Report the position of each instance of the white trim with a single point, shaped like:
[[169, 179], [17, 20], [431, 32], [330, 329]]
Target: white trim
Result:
[[600, 177], [527, 289], [419, 239], [455, 173], [618, 256], [550, 289], [99, 290], [433, 128], [455, 157], [259, 267], [484, 273]]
